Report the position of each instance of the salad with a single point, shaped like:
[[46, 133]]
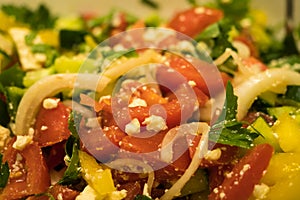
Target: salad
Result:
[[204, 105]]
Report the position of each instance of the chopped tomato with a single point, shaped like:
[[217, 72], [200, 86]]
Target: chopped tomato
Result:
[[54, 155], [228, 153], [240, 182], [132, 188], [247, 40], [194, 20], [58, 192], [102, 143], [150, 96], [201, 74], [32, 177], [51, 125], [254, 63]]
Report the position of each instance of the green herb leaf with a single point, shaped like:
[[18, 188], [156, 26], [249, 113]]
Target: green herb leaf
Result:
[[227, 130], [293, 93], [12, 76], [150, 3], [235, 9], [72, 174], [4, 173], [142, 197], [68, 39], [222, 41], [13, 97], [41, 18], [192, 2], [50, 52]]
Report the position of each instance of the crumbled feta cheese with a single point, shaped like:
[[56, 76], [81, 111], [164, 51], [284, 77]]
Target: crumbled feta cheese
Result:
[[22, 141], [133, 127], [92, 122], [118, 195], [155, 123], [88, 193], [4, 135], [27, 58], [137, 102], [260, 191], [192, 83], [213, 155], [50, 103], [199, 10], [43, 128]]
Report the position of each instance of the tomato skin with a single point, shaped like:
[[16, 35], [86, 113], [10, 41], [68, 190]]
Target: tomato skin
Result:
[[101, 143], [51, 125], [203, 74], [245, 174], [194, 20], [132, 188], [254, 62], [36, 178]]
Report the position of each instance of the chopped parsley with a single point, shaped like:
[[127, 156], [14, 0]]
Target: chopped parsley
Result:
[[4, 173], [72, 174], [38, 19], [227, 130]]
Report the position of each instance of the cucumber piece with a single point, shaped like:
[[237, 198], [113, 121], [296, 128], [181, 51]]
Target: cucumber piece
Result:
[[267, 134]]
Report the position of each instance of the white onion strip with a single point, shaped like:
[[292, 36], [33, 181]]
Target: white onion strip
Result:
[[48, 87], [127, 162], [270, 79], [166, 152], [201, 150]]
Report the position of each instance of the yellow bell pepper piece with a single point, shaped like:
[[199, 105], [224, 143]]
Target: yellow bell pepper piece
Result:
[[96, 176], [281, 166], [288, 131], [288, 188]]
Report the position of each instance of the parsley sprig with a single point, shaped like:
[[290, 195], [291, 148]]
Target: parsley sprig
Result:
[[4, 173], [227, 130]]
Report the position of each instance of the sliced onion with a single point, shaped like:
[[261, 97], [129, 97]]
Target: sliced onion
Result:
[[127, 162], [85, 112], [271, 79], [201, 150], [48, 87], [166, 153]]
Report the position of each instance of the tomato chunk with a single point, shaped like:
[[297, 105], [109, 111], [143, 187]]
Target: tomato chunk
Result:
[[32, 177], [240, 182], [51, 125], [194, 20]]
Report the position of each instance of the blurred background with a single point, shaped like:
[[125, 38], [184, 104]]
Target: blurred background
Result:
[[274, 9]]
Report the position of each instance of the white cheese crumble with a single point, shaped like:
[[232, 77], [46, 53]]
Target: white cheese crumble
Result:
[[133, 127], [213, 155], [88, 193], [4, 135], [155, 123], [260, 191], [118, 195], [192, 83], [50, 103], [137, 102], [22, 141]]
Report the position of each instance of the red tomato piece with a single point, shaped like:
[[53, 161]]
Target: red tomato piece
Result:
[[194, 20], [102, 144], [252, 62], [58, 192], [51, 125], [247, 40], [203, 74], [240, 182], [132, 188], [34, 177]]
